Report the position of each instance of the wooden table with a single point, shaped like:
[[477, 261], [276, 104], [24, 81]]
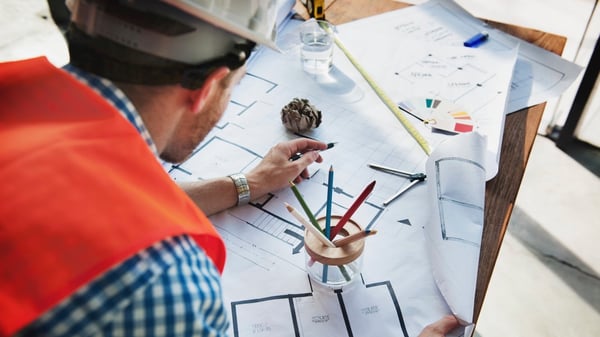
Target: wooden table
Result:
[[519, 134]]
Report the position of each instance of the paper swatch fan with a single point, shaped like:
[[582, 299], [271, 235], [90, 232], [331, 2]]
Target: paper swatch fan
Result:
[[439, 114]]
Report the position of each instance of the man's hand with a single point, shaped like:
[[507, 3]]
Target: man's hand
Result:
[[276, 170], [440, 328]]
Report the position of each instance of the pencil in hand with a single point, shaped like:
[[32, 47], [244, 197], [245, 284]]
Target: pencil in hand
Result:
[[299, 155]]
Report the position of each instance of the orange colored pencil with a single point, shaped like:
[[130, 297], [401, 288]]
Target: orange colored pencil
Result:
[[354, 237]]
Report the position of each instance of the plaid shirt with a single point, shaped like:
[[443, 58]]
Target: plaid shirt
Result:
[[168, 289]]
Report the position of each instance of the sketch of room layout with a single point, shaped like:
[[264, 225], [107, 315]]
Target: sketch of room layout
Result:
[[469, 83], [251, 125], [316, 313], [450, 31], [271, 243], [459, 76], [455, 84], [265, 243], [536, 74], [269, 216]]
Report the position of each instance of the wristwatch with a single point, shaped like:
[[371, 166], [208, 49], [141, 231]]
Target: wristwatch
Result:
[[242, 188]]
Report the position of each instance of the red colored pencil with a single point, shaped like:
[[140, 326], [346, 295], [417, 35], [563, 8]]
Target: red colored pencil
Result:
[[361, 198]]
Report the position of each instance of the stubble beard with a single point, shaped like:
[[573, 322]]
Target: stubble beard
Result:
[[180, 151]]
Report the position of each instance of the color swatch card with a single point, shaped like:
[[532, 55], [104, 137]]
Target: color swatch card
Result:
[[440, 114]]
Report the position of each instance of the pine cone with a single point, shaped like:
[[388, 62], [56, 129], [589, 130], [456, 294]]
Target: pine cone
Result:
[[299, 115]]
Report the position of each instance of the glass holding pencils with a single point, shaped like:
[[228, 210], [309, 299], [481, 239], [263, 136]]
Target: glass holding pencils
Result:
[[333, 244], [337, 266]]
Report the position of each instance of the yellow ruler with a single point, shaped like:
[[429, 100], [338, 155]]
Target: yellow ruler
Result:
[[385, 98]]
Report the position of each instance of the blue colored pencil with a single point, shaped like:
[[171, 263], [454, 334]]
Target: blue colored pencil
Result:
[[329, 203], [328, 214]]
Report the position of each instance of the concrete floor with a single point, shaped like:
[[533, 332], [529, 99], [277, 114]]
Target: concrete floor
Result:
[[546, 281]]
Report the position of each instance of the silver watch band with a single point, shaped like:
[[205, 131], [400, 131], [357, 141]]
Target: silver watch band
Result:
[[242, 188]]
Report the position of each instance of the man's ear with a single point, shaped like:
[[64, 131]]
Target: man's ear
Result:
[[198, 97]]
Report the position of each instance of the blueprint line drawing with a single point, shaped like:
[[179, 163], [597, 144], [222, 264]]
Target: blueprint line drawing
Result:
[[467, 78], [404, 263], [264, 242], [213, 148], [304, 312], [523, 76], [457, 198], [258, 84], [538, 74], [465, 202], [267, 217]]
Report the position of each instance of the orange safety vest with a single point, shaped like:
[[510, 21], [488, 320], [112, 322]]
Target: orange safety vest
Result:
[[80, 191]]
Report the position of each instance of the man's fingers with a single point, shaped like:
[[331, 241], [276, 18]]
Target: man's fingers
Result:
[[441, 327], [447, 323], [309, 157], [304, 144]]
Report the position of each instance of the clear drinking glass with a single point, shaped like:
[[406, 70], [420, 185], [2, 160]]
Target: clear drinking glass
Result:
[[334, 267], [317, 46]]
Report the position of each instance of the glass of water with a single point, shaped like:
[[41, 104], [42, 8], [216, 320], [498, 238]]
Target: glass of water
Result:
[[317, 46]]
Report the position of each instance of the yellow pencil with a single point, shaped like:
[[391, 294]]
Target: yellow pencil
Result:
[[354, 237], [317, 233]]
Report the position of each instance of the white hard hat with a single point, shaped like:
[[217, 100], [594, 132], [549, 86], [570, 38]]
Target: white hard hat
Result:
[[207, 28]]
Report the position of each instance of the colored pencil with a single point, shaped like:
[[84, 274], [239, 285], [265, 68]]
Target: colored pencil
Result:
[[307, 210], [318, 234], [328, 215], [299, 155], [329, 203], [354, 237], [361, 198]]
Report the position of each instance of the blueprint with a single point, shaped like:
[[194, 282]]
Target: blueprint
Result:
[[423, 262], [538, 74], [469, 85], [455, 227], [265, 283]]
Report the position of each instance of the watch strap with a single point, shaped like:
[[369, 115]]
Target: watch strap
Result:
[[242, 188]]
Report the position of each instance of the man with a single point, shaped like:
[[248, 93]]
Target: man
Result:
[[95, 238]]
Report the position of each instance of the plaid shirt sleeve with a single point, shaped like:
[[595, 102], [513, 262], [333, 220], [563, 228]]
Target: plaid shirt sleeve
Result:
[[169, 289]]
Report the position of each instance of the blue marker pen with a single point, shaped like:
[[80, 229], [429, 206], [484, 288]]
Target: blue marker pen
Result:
[[476, 40]]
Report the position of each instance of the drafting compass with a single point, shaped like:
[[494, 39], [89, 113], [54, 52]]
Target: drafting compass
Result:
[[414, 178]]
